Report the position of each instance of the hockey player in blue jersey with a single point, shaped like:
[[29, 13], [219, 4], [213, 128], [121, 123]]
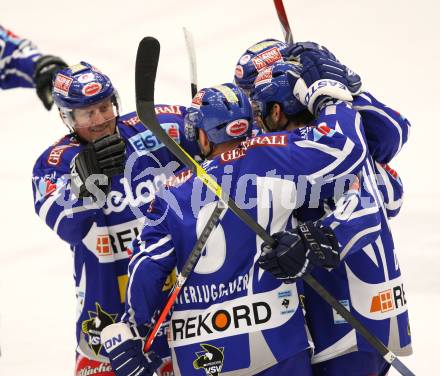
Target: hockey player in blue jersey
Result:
[[23, 65], [231, 317], [386, 130], [82, 193], [354, 284]]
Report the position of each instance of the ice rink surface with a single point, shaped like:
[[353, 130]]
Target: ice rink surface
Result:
[[394, 46]]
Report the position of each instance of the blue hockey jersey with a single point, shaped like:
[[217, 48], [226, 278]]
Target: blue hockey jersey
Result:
[[100, 233], [17, 60], [385, 128], [248, 319], [368, 282]]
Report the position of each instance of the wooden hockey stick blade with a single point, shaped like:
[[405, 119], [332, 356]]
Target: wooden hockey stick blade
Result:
[[284, 21], [190, 48], [187, 269], [148, 58]]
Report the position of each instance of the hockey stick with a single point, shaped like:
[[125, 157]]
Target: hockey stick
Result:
[[188, 267], [282, 16], [146, 66], [189, 41]]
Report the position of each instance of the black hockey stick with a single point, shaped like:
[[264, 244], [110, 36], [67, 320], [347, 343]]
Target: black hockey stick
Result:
[[189, 41], [282, 16], [146, 67], [187, 269]]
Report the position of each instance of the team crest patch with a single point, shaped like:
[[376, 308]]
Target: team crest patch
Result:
[[211, 360], [95, 324]]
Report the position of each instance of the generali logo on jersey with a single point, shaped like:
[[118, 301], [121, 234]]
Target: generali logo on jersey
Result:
[[240, 151]]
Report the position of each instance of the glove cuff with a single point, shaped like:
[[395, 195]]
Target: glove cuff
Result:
[[46, 60], [317, 93], [114, 335]]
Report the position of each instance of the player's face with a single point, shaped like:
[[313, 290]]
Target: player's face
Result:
[[95, 121]]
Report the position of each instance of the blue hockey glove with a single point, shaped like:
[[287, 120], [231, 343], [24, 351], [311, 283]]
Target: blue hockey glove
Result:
[[333, 67], [45, 68], [296, 252], [125, 351], [96, 163], [322, 78], [296, 49]]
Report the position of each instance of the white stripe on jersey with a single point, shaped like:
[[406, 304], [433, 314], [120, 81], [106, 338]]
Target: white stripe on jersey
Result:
[[150, 248], [358, 236], [68, 212], [391, 204], [130, 310], [162, 255], [47, 204], [340, 155], [17, 73], [384, 114]]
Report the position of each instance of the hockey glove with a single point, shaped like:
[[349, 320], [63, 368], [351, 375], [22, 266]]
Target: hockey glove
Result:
[[96, 163], [296, 49], [45, 68], [353, 80], [296, 252], [322, 79], [124, 349]]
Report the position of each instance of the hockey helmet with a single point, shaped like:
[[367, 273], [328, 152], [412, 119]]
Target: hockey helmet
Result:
[[256, 58], [80, 86], [223, 112], [275, 84]]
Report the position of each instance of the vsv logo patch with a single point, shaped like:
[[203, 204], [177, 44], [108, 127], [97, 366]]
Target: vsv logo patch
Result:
[[211, 360]]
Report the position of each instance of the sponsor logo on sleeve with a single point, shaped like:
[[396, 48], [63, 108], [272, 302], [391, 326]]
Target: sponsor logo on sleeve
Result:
[[388, 300], [377, 301]]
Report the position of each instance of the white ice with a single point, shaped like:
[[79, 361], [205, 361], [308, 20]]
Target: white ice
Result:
[[394, 45]]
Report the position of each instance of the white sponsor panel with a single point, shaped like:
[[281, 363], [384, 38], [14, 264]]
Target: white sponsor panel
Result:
[[110, 243], [246, 314], [376, 301]]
